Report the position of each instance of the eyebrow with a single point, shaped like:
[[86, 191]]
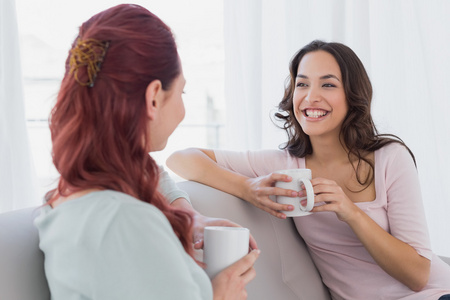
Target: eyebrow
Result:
[[322, 77]]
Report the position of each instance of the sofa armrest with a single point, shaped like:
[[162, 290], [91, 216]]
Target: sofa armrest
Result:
[[284, 268], [22, 273]]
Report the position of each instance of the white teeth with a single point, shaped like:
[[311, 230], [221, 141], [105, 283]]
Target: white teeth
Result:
[[313, 113]]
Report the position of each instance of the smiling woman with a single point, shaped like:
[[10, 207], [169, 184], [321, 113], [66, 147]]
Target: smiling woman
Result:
[[368, 211], [403, 45], [47, 27]]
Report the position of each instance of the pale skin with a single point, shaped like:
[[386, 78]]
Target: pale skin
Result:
[[201, 221], [165, 110], [320, 107]]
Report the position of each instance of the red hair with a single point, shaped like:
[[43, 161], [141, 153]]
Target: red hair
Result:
[[100, 133]]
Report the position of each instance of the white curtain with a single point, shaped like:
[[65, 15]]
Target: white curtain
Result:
[[404, 46], [17, 177]]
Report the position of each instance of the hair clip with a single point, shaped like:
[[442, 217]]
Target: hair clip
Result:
[[89, 53]]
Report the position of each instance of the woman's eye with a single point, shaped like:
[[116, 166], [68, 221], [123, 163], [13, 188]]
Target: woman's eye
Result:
[[329, 85], [301, 84]]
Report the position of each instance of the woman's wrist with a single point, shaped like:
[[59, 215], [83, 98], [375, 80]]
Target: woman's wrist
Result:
[[244, 188]]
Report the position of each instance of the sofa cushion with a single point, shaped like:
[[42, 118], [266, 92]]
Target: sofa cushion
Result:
[[22, 275], [284, 268]]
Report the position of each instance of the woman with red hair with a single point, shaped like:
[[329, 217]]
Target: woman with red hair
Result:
[[107, 231]]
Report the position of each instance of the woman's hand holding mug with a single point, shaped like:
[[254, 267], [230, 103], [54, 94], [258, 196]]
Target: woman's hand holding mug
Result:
[[278, 193]]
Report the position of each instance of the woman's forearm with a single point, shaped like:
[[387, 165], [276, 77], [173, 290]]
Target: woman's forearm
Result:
[[395, 257], [200, 165]]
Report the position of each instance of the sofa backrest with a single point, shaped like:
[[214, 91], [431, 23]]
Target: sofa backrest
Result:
[[284, 269], [22, 274]]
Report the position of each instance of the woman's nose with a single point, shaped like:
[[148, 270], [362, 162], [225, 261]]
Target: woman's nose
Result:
[[313, 95]]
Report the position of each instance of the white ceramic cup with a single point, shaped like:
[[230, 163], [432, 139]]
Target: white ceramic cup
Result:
[[224, 246], [299, 177]]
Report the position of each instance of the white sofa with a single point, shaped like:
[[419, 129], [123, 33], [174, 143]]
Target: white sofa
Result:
[[284, 268]]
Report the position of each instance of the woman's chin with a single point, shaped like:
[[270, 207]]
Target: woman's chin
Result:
[[159, 147]]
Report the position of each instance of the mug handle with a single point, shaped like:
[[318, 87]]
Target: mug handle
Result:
[[309, 195]]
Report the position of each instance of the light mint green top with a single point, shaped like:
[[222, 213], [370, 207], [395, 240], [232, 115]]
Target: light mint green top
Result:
[[109, 245], [168, 188]]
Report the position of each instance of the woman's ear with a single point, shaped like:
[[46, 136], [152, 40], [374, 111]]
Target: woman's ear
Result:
[[153, 98]]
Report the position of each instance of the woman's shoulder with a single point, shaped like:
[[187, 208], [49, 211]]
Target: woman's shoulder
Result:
[[393, 147], [113, 201], [96, 208], [394, 156], [392, 150], [125, 206]]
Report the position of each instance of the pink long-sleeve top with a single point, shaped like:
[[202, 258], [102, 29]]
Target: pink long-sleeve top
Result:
[[346, 267]]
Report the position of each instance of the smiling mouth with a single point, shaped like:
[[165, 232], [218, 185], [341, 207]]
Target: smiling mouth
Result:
[[314, 113]]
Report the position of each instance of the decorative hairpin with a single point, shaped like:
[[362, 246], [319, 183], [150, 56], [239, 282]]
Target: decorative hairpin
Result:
[[89, 53]]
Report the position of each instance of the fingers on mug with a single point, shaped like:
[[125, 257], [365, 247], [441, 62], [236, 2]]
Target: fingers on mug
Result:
[[309, 194], [299, 177]]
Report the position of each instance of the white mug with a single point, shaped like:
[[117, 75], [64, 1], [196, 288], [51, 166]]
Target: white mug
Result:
[[224, 246], [299, 177]]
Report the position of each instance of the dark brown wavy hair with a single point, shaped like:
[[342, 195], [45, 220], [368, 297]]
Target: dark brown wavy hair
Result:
[[100, 133], [358, 133]]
